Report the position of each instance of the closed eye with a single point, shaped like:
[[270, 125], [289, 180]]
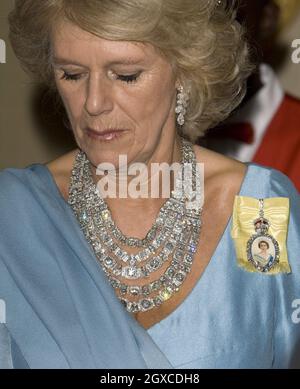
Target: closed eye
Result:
[[70, 77], [130, 78]]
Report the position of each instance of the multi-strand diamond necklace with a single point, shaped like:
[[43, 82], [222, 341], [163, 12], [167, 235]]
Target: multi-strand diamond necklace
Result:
[[167, 249]]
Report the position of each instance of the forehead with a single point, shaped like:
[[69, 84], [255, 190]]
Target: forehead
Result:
[[71, 42]]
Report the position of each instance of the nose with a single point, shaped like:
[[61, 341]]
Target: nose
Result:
[[99, 98]]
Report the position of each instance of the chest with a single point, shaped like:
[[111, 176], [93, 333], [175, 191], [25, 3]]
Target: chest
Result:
[[226, 322], [215, 219]]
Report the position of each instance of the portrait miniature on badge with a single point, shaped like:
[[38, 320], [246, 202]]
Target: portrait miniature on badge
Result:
[[262, 249]]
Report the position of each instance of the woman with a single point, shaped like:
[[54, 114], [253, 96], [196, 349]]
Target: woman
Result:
[[134, 79], [263, 256]]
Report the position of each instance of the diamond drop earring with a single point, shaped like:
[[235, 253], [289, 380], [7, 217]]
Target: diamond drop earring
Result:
[[182, 104]]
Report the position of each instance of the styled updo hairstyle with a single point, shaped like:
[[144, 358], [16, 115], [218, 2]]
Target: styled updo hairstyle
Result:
[[201, 39]]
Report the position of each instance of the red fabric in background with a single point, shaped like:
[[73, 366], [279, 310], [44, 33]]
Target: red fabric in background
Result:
[[280, 146], [241, 132]]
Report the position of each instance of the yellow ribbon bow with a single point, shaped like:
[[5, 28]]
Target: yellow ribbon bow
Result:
[[245, 212]]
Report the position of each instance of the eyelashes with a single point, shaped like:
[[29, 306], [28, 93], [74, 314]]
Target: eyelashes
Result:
[[129, 79], [70, 77]]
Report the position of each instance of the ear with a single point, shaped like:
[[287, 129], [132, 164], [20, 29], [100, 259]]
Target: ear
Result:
[[269, 21]]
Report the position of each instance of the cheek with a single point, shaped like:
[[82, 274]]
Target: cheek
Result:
[[153, 101], [72, 101]]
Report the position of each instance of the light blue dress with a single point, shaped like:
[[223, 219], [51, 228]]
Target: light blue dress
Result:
[[61, 311]]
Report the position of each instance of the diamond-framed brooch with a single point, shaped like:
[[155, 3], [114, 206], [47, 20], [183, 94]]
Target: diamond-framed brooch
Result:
[[263, 250]]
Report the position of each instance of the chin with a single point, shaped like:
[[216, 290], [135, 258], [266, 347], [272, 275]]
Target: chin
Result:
[[97, 157]]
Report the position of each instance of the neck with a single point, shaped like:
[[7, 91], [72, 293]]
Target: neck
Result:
[[168, 152]]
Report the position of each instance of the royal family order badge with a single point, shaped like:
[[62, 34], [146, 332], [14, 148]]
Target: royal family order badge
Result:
[[259, 231], [262, 248]]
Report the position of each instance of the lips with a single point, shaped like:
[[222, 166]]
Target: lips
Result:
[[105, 135]]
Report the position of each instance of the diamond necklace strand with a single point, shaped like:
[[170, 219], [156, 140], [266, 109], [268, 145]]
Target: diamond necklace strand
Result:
[[171, 242]]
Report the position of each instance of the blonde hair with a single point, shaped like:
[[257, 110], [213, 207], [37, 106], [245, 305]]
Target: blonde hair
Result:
[[201, 38]]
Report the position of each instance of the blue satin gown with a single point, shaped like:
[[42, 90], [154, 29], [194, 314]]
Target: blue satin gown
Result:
[[61, 312]]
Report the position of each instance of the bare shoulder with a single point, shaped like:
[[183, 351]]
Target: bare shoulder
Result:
[[222, 174], [61, 169]]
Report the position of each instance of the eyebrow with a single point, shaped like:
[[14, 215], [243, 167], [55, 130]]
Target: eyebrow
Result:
[[125, 61]]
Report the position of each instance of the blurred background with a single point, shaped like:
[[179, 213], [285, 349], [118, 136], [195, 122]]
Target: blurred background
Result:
[[32, 132]]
